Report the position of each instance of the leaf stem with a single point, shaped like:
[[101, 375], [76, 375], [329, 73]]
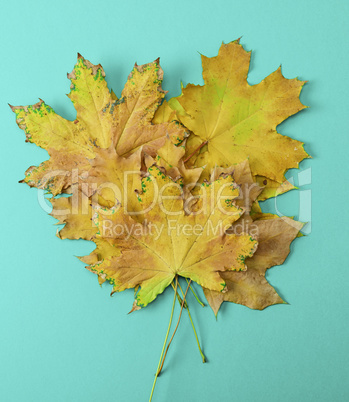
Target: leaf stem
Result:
[[196, 296], [192, 324], [175, 330], [163, 347], [196, 150], [178, 296]]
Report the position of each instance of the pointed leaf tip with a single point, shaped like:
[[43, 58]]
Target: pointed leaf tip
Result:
[[135, 307]]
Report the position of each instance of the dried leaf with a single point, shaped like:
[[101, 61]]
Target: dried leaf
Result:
[[250, 288], [107, 136], [170, 242], [232, 120]]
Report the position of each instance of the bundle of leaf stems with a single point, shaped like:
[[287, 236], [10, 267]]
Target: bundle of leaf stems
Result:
[[183, 303]]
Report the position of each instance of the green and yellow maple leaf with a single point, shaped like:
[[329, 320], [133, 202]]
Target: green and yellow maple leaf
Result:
[[231, 120]]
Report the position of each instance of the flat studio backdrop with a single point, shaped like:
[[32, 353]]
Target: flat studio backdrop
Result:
[[62, 337]]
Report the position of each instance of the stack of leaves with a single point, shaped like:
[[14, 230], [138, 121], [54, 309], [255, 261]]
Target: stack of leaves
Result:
[[172, 189]]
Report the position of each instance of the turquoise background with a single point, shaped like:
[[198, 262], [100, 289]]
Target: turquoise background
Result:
[[62, 338]]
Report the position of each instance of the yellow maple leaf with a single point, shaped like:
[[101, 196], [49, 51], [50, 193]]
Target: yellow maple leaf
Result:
[[107, 136], [171, 240], [231, 120]]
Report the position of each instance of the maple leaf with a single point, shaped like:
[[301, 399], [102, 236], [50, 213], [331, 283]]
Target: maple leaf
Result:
[[231, 120], [250, 288], [274, 235], [184, 244], [107, 136]]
